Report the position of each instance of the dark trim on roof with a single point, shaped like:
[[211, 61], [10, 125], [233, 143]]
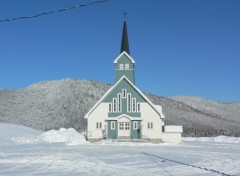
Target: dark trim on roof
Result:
[[125, 45]]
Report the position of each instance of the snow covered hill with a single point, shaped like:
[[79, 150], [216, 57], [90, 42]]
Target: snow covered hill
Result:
[[63, 103], [27, 151]]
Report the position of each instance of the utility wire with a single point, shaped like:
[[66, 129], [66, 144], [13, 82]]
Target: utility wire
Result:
[[51, 12]]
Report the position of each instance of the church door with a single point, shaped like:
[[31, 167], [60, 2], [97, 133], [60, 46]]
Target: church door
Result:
[[124, 130]]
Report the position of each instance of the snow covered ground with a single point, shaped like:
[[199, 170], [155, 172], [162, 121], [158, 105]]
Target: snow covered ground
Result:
[[25, 151]]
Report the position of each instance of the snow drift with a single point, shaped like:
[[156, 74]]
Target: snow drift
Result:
[[38, 156], [11, 133], [218, 139], [69, 136]]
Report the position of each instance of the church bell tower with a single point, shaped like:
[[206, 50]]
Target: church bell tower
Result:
[[124, 64]]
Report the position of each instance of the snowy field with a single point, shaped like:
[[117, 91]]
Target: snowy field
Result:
[[25, 151]]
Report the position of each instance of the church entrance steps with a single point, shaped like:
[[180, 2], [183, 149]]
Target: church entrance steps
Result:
[[124, 137], [131, 140]]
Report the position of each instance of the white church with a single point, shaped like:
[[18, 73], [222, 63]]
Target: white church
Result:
[[124, 112]]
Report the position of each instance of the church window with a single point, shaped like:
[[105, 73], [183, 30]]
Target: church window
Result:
[[129, 102], [114, 105], [150, 125], [112, 125], [138, 107], [119, 103], [124, 93], [127, 126], [121, 66], [99, 125], [134, 104], [126, 66], [135, 125], [110, 107]]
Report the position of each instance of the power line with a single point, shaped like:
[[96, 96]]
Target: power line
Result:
[[51, 12]]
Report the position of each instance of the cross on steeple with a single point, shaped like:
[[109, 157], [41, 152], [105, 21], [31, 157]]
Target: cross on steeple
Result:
[[125, 15], [125, 45]]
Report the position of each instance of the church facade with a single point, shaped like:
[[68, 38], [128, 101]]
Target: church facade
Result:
[[124, 112]]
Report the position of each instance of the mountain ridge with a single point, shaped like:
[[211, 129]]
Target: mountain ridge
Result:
[[63, 103]]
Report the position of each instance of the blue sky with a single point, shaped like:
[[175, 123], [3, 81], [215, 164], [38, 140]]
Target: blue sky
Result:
[[181, 47]]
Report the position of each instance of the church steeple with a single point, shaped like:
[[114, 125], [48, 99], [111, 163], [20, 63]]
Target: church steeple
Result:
[[124, 63], [125, 45]]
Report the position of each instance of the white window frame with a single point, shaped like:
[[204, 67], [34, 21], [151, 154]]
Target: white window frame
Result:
[[135, 125], [110, 107], [134, 104], [119, 103], [124, 93], [114, 108], [138, 107], [129, 102], [99, 125], [121, 66], [113, 125], [127, 66], [150, 125]]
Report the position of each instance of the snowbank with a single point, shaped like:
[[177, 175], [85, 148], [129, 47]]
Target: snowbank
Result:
[[69, 136], [11, 133], [220, 139]]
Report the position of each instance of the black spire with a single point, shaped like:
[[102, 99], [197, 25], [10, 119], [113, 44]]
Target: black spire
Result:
[[125, 46]]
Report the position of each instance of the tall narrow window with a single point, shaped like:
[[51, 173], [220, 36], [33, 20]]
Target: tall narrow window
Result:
[[126, 66], [110, 107], [121, 66], [134, 104], [138, 107], [119, 102], [112, 125], [150, 125], [135, 125], [99, 125], [114, 105], [124, 91], [129, 102]]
